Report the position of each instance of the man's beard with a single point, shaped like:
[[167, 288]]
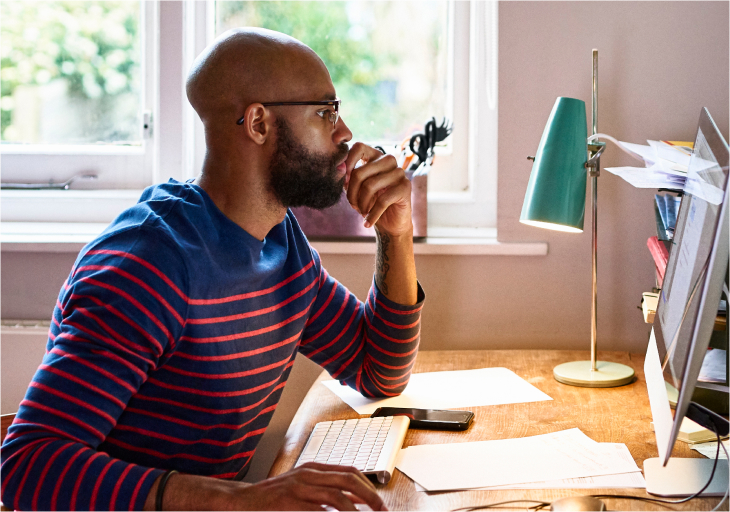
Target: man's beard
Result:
[[300, 177]]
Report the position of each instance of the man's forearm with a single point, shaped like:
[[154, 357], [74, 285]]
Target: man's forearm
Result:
[[395, 268], [192, 492], [311, 486]]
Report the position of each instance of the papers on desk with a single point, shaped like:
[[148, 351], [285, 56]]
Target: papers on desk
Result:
[[537, 461], [448, 390], [665, 165], [633, 480], [709, 450]]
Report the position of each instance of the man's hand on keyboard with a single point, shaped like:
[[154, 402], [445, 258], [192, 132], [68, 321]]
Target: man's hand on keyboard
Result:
[[311, 486]]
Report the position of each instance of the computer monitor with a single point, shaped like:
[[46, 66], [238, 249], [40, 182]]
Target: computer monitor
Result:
[[686, 313]]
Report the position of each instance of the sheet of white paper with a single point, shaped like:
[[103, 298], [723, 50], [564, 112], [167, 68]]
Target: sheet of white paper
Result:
[[448, 390], [633, 480], [622, 480], [709, 450], [645, 152], [658, 399], [700, 187], [714, 366], [556, 456], [653, 177], [669, 157]]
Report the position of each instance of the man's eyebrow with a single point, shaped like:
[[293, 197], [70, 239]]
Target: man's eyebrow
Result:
[[329, 97]]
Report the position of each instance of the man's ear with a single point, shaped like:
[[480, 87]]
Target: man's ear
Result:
[[257, 123]]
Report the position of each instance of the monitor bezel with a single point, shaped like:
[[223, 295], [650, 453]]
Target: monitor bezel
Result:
[[710, 293]]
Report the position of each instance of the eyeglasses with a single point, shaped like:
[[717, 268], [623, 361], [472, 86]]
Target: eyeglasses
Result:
[[332, 115]]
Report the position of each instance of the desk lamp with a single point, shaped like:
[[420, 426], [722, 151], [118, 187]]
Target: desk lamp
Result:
[[555, 199]]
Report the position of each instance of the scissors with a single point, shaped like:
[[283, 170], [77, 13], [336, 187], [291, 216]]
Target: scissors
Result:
[[422, 144]]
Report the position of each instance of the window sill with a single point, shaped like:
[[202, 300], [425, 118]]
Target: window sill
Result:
[[37, 207], [72, 236]]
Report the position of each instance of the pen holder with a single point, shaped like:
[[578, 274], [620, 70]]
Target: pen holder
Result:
[[342, 222]]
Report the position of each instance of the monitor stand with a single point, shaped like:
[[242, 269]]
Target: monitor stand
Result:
[[684, 477]]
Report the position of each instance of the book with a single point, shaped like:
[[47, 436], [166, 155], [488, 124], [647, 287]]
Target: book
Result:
[[691, 432], [660, 254], [661, 229], [684, 147], [672, 204], [666, 207]]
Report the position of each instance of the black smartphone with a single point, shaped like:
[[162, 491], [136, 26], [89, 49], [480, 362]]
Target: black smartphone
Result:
[[430, 418]]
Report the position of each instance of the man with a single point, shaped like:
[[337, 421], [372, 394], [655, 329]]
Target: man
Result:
[[176, 330]]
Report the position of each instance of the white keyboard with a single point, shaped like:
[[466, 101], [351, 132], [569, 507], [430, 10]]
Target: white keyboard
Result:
[[369, 444]]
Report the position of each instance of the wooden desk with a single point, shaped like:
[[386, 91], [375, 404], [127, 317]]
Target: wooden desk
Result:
[[617, 415]]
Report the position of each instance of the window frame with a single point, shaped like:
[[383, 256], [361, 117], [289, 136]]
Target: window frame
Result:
[[176, 146], [473, 209], [117, 166]]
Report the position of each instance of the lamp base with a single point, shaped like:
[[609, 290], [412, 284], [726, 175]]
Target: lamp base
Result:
[[606, 375]]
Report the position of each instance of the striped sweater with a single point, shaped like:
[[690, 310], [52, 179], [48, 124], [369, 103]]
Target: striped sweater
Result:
[[170, 344]]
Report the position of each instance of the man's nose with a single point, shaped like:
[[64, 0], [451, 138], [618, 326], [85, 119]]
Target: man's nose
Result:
[[342, 133]]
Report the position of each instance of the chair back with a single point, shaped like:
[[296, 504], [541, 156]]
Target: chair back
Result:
[[5, 421]]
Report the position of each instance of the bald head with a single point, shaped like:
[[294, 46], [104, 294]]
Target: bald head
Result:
[[247, 65]]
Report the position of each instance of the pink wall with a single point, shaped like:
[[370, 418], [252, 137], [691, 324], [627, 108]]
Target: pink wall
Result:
[[659, 63]]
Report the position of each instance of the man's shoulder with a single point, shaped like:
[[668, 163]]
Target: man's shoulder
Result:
[[161, 217], [298, 238], [149, 231]]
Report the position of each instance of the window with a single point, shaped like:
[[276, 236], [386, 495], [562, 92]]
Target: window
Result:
[[76, 90], [393, 76], [71, 73], [107, 85], [390, 75]]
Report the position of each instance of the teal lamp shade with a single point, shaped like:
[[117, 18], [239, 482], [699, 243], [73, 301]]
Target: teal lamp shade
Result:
[[556, 192]]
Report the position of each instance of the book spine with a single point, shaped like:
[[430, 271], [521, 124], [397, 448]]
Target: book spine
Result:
[[660, 255]]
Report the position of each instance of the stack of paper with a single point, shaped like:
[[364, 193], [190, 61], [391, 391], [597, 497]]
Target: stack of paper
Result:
[[691, 432], [448, 390], [562, 459], [665, 163], [710, 449]]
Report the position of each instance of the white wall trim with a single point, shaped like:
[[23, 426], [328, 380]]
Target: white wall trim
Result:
[[64, 206], [71, 237]]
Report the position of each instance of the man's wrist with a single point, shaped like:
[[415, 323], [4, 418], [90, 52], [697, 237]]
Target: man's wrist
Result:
[[192, 492], [395, 271], [406, 235]]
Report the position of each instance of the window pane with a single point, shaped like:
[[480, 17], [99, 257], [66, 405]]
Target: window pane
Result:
[[387, 59], [71, 72]]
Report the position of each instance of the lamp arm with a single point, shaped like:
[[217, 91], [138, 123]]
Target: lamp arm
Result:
[[596, 149], [612, 139]]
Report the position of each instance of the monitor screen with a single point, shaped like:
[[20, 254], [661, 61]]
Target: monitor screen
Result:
[[696, 269], [696, 228]]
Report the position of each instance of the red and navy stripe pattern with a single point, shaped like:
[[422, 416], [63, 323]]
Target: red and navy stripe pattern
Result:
[[170, 345]]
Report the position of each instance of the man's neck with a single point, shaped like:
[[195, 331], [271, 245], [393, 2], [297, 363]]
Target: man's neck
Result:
[[241, 197]]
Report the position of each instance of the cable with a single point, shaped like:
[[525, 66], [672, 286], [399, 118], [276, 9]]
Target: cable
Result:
[[620, 146], [683, 500], [728, 489], [540, 504]]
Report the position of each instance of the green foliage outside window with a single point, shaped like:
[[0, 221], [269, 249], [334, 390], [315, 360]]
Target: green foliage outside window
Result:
[[92, 46], [347, 49]]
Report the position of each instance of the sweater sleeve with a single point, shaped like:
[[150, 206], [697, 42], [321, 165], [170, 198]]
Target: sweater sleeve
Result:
[[368, 346], [116, 319]]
